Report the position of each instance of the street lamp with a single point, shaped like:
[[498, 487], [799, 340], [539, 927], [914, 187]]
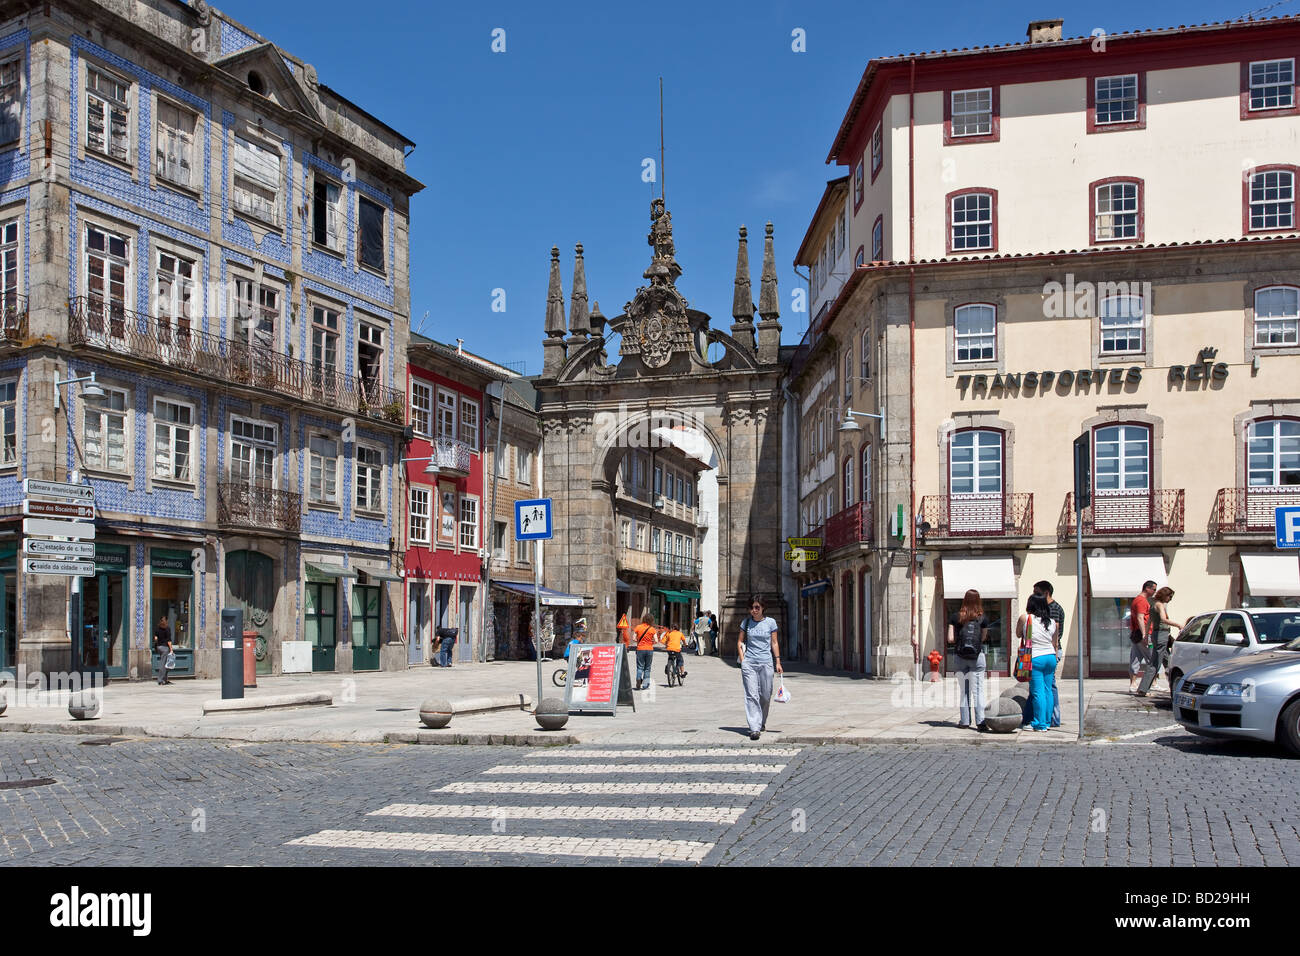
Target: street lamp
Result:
[[429, 469], [92, 390], [849, 425]]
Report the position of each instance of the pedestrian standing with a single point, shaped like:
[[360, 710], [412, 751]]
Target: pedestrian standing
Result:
[[760, 654], [1160, 635], [966, 630], [1058, 615], [701, 632], [1139, 617], [713, 633], [1037, 623], [162, 642], [644, 634]]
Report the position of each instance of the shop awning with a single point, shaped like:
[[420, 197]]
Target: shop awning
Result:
[[674, 597], [622, 585], [1272, 575], [1122, 575], [694, 595], [993, 577], [329, 571], [817, 587], [550, 597], [380, 575]]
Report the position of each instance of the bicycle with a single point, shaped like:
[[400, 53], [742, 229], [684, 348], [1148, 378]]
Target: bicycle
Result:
[[674, 669]]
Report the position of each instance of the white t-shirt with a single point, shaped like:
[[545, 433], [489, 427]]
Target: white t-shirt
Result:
[[1041, 637]]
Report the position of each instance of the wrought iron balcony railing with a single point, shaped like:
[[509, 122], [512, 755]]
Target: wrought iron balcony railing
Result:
[[244, 505], [107, 326], [1250, 510], [451, 455], [853, 525], [13, 318], [677, 566], [987, 515], [1125, 513]]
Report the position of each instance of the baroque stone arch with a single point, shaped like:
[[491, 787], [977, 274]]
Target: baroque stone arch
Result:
[[611, 430]]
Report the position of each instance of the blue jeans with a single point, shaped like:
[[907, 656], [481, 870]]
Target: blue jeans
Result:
[[1042, 690], [644, 661], [445, 651]]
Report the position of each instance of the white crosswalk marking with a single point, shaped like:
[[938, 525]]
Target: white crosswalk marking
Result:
[[595, 768], [686, 851], [727, 815], [552, 753], [702, 788]]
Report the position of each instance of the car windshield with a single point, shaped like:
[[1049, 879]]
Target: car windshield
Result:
[[1277, 628]]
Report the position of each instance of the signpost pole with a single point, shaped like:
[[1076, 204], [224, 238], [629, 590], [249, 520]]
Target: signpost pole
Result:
[[1082, 491], [74, 606], [537, 612]]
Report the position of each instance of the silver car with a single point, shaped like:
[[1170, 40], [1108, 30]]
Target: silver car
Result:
[[1224, 635], [1256, 697]]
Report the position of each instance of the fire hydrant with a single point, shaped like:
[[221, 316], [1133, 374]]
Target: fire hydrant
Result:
[[935, 659]]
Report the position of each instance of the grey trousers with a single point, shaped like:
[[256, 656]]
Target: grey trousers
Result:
[[970, 680], [1154, 664], [757, 680]]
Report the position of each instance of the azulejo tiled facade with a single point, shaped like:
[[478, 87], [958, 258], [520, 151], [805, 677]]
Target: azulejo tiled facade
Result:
[[223, 246]]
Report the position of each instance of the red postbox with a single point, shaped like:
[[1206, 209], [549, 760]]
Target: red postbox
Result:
[[250, 658]]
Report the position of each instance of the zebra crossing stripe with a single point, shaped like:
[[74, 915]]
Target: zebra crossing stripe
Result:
[[580, 754], [727, 815], [685, 851], [603, 768], [691, 789]]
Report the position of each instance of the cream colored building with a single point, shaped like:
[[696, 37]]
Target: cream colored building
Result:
[[1104, 242]]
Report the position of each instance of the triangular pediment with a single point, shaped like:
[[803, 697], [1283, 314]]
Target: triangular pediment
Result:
[[280, 84]]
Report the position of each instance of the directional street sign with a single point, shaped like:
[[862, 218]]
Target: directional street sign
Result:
[[59, 529], [58, 509], [1287, 520], [58, 549], [71, 569], [533, 519], [58, 489]]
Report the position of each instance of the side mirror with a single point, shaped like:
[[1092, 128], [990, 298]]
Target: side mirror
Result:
[[1236, 640]]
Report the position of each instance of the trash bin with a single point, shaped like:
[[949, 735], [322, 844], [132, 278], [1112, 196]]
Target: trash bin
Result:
[[250, 658]]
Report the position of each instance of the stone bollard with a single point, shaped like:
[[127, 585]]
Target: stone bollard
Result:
[[4, 703], [551, 714], [1003, 715], [436, 713], [85, 705]]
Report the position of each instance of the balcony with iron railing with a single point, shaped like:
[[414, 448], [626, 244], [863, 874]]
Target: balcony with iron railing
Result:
[[677, 566], [108, 328], [259, 507], [1122, 514], [986, 515], [451, 455], [13, 319], [852, 526], [1250, 512]]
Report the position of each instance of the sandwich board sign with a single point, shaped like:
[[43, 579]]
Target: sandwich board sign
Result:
[[599, 680]]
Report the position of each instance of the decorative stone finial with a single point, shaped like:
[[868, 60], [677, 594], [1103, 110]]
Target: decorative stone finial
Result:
[[742, 303], [555, 298], [579, 318], [768, 303]]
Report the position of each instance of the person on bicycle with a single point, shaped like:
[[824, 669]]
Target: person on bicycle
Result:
[[674, 640]]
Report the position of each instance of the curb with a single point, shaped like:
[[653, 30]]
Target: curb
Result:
[[441, 738], [484, 705], [242, 704]]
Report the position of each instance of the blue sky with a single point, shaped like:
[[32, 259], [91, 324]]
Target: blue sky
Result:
[[543, 144]]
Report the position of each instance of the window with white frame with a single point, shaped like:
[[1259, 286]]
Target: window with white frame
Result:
[[1116, 211], [469, 423], [257, 313], [830, 502], [680, 488], [1272, 199], [369, 478], [105, 432], [1123, 324], [1272, 84], [501, 459], [639, 536], [9, 423], [972, 112], [877, 149], [864, 356], [858, 185], [173, 295], [370, 234], [690, 492], [523, 552], [524, 466], [252, 453], [1277, 315], [108, 114], [328, 224], [1273, 453], [659, 479], [498, 541], [419, 516], [468, 522], [848, 481], [975, 333], [370, 358], [975, 462], [878, 240], [257, 181], [841, 234], [655, 540], [972, 221], [323, 452], [625, 534], [173, 439], [446, 414], [1122, 458], [174, 158], [1116, 99], [848, 373], [638, 470], [9, 267], [108, 263], [865, 475], [11, 100], [324, 343], [421, 407]]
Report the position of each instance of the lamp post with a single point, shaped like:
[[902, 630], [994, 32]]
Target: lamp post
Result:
[[487, 563], [432, 470]]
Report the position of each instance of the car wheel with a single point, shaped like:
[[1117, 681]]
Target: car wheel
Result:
[[1174, 678], [1289, 728]]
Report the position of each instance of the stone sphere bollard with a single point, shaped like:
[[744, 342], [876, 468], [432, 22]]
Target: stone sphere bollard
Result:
[[4, 703], [1003, 715], [85, 705], [436, 713], [551, 714]]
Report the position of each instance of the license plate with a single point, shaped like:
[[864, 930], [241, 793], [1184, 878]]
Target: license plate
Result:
[[1187, 700]]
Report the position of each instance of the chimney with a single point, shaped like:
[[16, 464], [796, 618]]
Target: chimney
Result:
[[1044, 31], [460, 346]]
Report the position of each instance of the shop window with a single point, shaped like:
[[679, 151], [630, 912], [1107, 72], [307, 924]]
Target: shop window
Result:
[[997, 641]]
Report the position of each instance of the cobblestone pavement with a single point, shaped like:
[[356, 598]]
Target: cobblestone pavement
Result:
[[1154, 799]]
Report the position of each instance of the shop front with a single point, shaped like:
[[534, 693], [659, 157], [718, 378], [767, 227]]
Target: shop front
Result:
[[1114, 580], [9, 606], [1270, 579], [994, 577], [106, 612], [171, 603], [324, 580]]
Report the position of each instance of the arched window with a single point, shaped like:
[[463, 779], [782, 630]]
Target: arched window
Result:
[[1122, 458], [975, 463], [1277, 315], [848, 481], [866, 473], [1269, 201], [1273, 453]]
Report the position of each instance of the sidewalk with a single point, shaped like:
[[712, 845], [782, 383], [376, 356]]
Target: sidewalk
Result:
[[826, 707]]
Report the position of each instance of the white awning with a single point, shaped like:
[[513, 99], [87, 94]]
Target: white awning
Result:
[[992, 577], [1122, 575], [1272, 575]]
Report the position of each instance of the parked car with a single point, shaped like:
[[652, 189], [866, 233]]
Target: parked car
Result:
[[1256, 696], [1223, 635]]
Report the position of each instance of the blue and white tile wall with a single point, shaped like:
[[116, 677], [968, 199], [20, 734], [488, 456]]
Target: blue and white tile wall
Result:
[[343, 524], [15, 163], [234, 39], [340, 270]]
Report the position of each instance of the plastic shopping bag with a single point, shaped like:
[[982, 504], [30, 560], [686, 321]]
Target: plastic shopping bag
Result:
[[782, 695], [170, 662]]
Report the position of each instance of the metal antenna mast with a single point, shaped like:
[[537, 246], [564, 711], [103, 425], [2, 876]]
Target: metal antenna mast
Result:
[[662, 177]]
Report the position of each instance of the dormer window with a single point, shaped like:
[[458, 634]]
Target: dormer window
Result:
[[256, 83]]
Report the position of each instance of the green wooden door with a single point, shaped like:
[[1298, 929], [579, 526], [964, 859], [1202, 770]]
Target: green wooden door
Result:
[[365, 627], [250, 584], [321, 624], [104, 616]]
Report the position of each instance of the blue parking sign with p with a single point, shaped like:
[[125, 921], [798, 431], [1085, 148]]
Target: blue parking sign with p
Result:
[[1288, 526], [533, 519]]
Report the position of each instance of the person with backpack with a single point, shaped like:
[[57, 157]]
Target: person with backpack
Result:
[[966, 630]]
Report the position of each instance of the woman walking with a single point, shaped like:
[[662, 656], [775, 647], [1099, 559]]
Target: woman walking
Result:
[[1160, 634], [1038, 625], [759, 654], [644, 635], [966, 630]]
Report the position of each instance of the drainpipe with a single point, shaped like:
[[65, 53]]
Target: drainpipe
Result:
[[911, 356]]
